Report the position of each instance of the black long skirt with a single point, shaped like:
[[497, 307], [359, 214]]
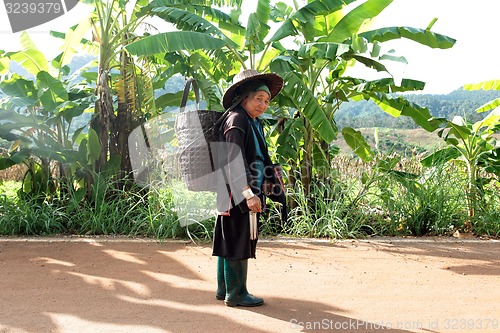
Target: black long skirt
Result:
[[232, 236]]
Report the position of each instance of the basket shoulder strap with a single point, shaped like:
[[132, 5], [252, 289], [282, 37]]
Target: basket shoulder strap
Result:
[[185, 94]]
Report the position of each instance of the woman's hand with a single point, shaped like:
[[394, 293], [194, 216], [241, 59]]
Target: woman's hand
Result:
[[254, 204]]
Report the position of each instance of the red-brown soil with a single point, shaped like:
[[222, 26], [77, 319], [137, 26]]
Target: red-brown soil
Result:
[[377, 285]]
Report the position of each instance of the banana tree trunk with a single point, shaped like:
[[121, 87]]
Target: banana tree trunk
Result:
[[471, 193], [122, 127], [104, 112], [306, 164]]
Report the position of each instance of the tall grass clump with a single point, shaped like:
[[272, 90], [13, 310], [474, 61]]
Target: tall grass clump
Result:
[[487, 219], [32, 219], [33, 216], [136, 212], [327, 211], [272, 223], [142, 212], [431, 202], [174, 212]]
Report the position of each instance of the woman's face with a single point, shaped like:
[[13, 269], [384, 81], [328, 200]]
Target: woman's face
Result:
[[256, 103]]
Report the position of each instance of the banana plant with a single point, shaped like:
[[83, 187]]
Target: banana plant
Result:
[[124, 96], [207, 44], [476, 144], [337, 41], [37, 116]]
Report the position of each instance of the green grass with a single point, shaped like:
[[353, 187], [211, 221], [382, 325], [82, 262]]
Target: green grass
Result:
[[151, 214], [327, 212], [487, 220], [424, 206], [356, 201]]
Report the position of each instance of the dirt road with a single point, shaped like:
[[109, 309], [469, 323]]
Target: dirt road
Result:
[[377, 285]]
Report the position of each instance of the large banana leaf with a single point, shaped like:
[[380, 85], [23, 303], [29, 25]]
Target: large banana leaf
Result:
[[93, 146], [306, 15], [169, 99], [356, 141], [267, 57], [440, 157], [216, 64], [72, 109], [6, 133], [489, 106], [29, 57], [16, 86], [72, 41], [16, 158], [386, 85], [174, 41], [323, 50], [218, 3], [290, 139], [188, 18], [370, 63], [195, 3], [455, 132], [320, 158], [398, 106], [51, 91], [257, 29], [226, 22], [11, 120], [334, 51], [210, 92], [58, 154], [310, 107], [354, 20], [490, 121], [485, 85], [303, 99], [4, 64], [422, 36]]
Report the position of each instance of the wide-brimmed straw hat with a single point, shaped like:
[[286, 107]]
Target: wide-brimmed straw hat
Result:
[[273, 81]]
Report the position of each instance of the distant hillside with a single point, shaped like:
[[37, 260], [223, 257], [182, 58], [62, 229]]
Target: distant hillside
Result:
[[457, 103], [407, 142]]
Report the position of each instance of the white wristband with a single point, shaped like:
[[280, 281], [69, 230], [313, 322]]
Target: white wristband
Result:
[[248, 194]]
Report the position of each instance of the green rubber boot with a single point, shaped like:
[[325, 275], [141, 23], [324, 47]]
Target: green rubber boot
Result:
[[221, 283], [235, 273], [244, 268]]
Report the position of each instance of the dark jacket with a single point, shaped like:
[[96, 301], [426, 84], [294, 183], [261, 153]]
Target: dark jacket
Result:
[[235, 157], [237, 149]]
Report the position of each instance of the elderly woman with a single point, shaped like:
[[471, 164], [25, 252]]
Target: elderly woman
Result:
[[240, 200]]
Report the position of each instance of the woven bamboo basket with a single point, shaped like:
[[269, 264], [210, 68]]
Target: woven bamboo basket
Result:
[[195, 129]]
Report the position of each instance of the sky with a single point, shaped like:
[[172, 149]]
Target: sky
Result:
[[474, 57]]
